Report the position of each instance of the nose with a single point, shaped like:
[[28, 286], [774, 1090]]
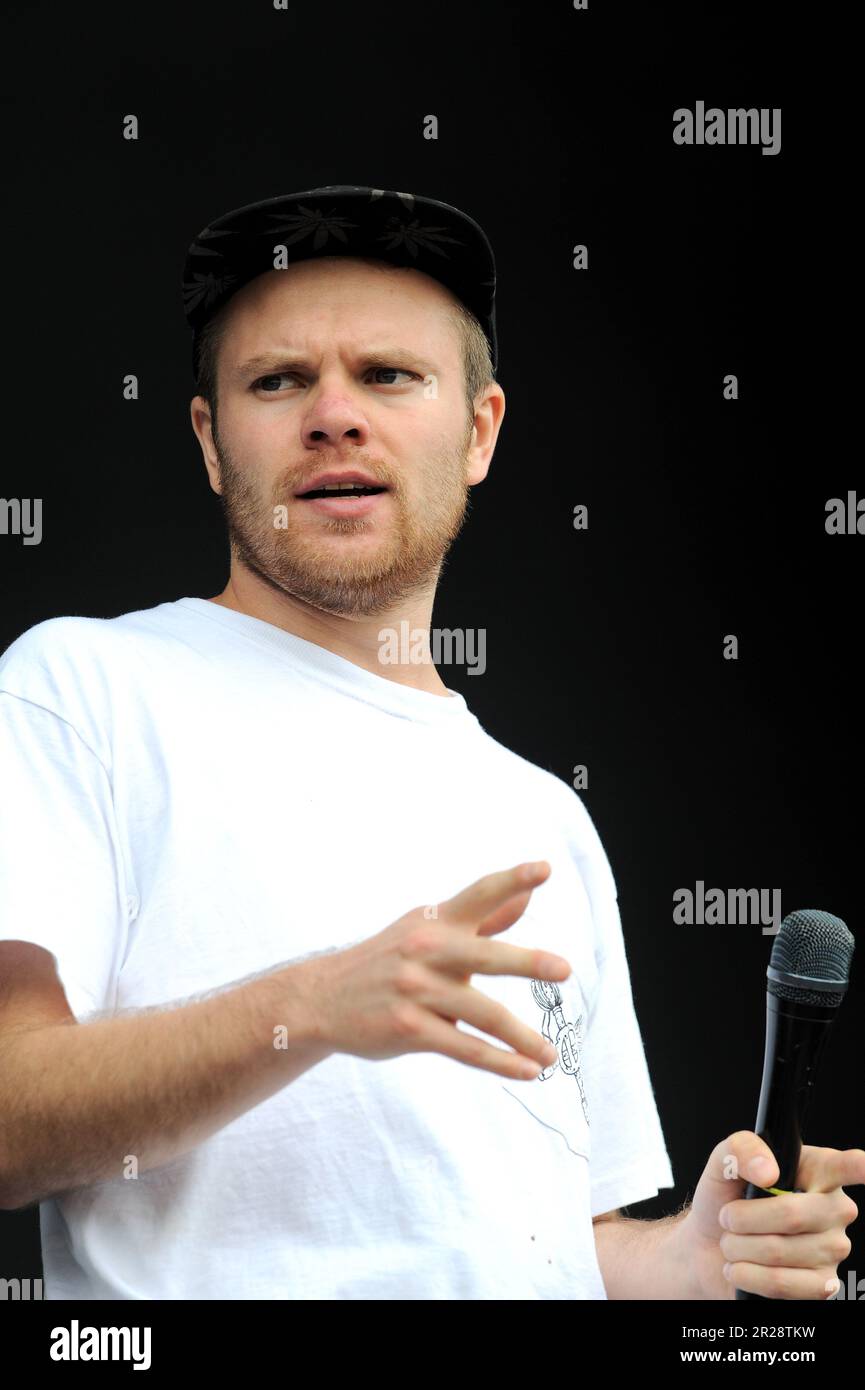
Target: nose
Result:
[[333, 418]]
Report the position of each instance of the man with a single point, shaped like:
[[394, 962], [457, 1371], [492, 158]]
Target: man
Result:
[[264, 861]]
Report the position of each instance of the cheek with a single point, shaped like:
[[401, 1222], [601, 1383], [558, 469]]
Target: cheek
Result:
[[252, 432], [268, 459]]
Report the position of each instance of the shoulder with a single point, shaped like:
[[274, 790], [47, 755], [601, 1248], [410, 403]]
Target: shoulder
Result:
[[81, 669], [551, 796], [43, 661], [62, 646]]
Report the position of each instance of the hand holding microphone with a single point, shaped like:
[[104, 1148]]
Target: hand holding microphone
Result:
[[788, 1244], [807, 978]]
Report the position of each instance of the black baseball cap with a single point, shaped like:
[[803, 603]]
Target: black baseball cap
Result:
[[340, 220]]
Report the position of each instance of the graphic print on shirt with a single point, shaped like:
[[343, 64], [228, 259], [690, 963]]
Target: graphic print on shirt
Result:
[[568, 1038], [556, 1097]]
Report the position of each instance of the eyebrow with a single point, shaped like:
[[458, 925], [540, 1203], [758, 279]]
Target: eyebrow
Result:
[[292, 362]]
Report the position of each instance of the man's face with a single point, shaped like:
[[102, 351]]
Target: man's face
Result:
[[344, 349]]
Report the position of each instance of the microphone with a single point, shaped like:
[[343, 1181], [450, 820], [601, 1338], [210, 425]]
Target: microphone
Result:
[[807, 977]]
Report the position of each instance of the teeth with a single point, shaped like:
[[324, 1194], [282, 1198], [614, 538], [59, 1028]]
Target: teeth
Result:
[[341, 487]]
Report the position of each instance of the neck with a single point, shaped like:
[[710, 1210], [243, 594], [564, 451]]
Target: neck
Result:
[[357, 639]]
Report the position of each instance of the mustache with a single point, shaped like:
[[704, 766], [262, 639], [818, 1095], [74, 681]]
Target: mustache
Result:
[[293, 481]]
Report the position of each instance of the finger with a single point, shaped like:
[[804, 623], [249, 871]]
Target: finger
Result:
[[792, 1214], [792, 1252], [477, 1009], [821, 1170], [503, 917], [783, 1282], [435, 1035], [474, 906], [732, 1161], [467, 955]]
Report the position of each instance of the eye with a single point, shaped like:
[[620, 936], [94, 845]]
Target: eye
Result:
[[258, 384], [401, 370], [271, 376]]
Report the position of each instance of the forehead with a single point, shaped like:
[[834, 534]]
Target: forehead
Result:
[[342, 296]]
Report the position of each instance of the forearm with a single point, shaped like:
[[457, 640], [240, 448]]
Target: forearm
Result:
[[642, 1259], [77, 1100]]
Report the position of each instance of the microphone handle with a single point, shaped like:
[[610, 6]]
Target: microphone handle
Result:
[[795, 1037]]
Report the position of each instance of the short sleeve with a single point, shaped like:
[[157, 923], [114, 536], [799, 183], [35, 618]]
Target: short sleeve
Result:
[[629, 1159], [62, 883], [630, 1162]]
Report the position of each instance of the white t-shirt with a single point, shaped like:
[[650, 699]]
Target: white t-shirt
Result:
[[191, 796]]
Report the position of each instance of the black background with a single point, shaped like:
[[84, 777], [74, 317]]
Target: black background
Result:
[[604, 647]]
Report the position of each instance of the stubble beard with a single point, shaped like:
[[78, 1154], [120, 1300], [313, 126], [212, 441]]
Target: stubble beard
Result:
[[354, 581]]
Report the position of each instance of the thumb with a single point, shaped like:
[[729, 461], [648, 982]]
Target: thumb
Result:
[[741, 1158]]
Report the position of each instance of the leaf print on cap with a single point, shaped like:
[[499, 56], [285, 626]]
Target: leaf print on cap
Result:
[[311, 222], [416, 238], [204, 289]]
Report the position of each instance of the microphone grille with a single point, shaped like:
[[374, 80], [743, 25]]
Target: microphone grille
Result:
[[815, 946]]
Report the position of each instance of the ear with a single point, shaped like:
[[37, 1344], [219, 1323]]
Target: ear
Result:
[[489, 414], [202, 425]]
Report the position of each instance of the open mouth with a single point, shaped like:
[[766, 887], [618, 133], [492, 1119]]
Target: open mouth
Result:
[[337, 493]]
